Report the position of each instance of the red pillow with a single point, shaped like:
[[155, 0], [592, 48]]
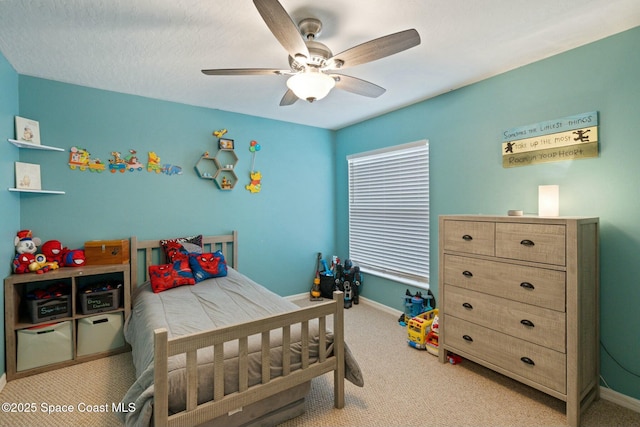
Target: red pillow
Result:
[[168, 276], [181, 247]]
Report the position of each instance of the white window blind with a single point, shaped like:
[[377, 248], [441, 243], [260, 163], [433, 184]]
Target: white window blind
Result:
[[389, 211]]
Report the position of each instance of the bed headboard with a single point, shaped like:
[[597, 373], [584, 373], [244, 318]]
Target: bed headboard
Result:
[[149, 252]]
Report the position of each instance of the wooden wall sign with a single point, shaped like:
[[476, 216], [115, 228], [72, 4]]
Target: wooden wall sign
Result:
[[568, 138]]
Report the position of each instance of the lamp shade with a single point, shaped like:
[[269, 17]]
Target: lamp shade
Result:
[[548, 200], [311, 85]]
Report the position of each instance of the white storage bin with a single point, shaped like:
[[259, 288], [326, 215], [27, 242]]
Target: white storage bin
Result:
[[100, 333], [44, 344]]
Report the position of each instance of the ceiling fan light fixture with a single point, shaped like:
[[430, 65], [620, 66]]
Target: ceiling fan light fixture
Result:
[[311, 85]]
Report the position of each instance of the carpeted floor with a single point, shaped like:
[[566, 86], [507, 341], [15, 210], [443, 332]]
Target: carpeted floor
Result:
[[403, 387]]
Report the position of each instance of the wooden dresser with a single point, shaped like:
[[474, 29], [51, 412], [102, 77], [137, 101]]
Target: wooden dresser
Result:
[[519, 295]]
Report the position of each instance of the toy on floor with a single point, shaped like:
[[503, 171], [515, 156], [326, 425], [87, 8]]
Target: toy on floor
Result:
[[418, 329], [349, 280], [432, 337], [354, 276], [415, 305], [454, 359], [432, 343], [315, 289]]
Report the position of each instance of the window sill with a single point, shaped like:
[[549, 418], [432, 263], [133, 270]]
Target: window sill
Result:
[[395, 278]]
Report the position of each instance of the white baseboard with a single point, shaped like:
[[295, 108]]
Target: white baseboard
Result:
[[620, 399], [363, 300], [3, 381], [297, 296], [380, 307]]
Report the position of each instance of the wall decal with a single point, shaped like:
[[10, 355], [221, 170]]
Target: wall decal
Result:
[[256, 177], [568, 138], [132, 162], [153, 162], [81, 159]]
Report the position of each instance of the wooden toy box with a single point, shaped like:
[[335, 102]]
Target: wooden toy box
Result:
[[101, 252]]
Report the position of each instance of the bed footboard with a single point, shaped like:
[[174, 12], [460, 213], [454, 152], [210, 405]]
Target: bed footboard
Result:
[[330, 358]]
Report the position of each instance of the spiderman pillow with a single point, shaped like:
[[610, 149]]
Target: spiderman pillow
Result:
[[207, 265], [181, 247], [167, 276]]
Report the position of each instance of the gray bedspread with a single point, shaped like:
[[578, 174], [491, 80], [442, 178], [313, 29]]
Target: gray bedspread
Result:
[[209, 304]]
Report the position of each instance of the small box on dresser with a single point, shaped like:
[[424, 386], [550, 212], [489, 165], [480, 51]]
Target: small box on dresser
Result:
[[519, 295], [103, 252]]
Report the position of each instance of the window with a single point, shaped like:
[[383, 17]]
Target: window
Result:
[[389, 212]]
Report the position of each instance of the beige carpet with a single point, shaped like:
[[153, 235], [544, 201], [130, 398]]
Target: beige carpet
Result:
[[403, 387]]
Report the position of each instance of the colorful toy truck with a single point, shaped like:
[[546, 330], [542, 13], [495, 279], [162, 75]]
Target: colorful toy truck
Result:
[[418, 328]]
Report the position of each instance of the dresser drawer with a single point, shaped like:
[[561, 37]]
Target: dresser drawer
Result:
[[473, 237], [543, 243], [536, 363], [534, 324], [530, 285]]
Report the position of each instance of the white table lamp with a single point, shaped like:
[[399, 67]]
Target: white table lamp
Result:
[[548, 200]]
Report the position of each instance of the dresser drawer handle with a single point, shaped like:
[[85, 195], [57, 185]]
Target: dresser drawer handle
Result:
[[467, 338], [467, 305], [467, 274], [527, 285], [526, 322], [467, 238], [527, 361], [527, 242]]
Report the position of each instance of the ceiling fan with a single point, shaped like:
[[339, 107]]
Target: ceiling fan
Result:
[[313, 65]]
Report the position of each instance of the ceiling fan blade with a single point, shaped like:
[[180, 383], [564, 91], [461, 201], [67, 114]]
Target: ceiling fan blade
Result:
[[357, 86], [244, 72], [375, 49], [288, 98], [282, 27]]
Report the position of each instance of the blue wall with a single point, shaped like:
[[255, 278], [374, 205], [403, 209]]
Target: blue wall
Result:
[[281, 229], [464, 130], [302, 208], [9, 202]]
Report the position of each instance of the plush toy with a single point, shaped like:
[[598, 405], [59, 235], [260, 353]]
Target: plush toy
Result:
[[21, 263], [26, 246], [40, 264], [73, 258], [53, 250], [26, 243]]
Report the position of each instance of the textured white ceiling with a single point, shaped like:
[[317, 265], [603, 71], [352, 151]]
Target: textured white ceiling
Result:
[[156, 48]]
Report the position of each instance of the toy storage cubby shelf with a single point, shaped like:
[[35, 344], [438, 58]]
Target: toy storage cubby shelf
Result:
[[17, 317], [219, 168], [22, 144]]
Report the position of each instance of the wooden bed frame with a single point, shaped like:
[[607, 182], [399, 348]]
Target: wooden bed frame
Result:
[[148, 252]]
